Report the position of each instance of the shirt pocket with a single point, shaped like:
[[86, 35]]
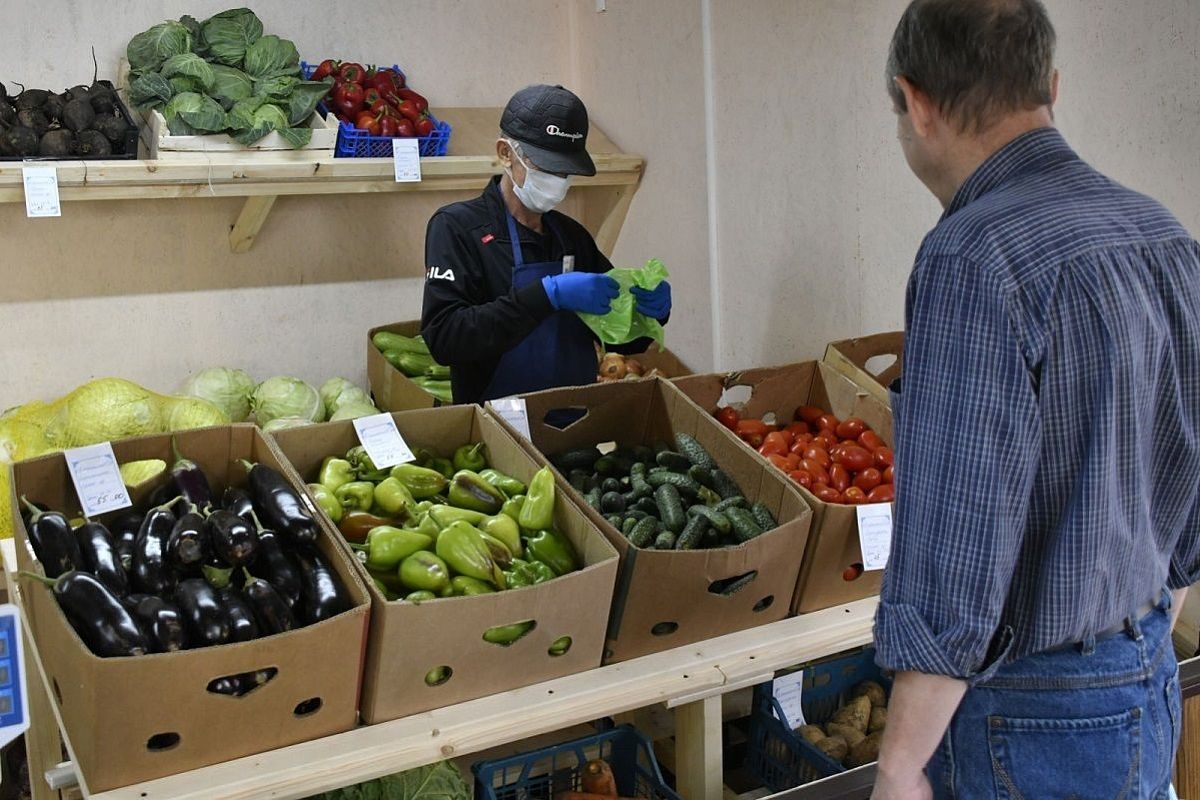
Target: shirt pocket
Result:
[[1034, 758]]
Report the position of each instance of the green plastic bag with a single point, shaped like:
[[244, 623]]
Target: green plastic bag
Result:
[[623, 323]]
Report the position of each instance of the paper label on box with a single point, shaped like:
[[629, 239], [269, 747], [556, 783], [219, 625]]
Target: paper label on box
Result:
[[381, 440], [97, 479], [788, 691], [406, 158], [875, 534], [512, 410], [41, 191]]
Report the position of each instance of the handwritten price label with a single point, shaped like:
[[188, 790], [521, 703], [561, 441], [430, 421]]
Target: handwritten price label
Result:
[[789, 692], [97, 479], [512, 410], [875, 534], [381, 440]]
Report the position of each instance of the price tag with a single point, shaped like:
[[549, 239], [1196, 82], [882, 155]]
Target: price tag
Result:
[[381, 440], [788, 691], [875, 534], [406, 158], [97, 479], [41, 191], [512, 410]]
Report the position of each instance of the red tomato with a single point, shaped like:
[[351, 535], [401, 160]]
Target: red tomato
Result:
[[889, 475], [423, 126], [755, 440], [819, 473], [827, 495], [839, 478], [854, 496], [828, 422], [851, 428], [827, 439], [798, 448], [818, 454], [793, 461], [775, 442], [870, 440], [728, 417], [868, 479], [801, 477], [883, 493], [798, 428], [777, 461], [853, 458], [884, 457], [852, 572], [747, 427], [809, 414]]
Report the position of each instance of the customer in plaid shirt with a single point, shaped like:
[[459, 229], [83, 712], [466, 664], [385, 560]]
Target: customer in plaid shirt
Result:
[[1047, 520]]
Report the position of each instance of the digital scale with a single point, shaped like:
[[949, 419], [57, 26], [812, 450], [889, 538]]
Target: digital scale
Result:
[[14, 706]]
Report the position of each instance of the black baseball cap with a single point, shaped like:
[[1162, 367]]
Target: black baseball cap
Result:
[[551, 124]]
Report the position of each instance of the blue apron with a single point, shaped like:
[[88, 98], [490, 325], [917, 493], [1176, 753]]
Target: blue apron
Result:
[[559, 351]]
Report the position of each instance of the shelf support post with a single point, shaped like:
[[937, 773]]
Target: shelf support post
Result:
[[698, 772], [249, 222]]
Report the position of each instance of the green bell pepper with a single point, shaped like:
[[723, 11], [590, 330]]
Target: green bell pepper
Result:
[[429, 526], [386, 547], [506, 530], [393, 497], [468, 490], [541, 572], [538, 511], [335, 472], [527, 573], [364, 467], [445, 516], [421, 507], [356, 495], [512, 507], [508, 485], [463, 548], [552, 549], [387, 593], [442, 465], [471, 457], [327, 501], [422, 482], [423, 571], [416, 598], [390, 580], [468, 587]]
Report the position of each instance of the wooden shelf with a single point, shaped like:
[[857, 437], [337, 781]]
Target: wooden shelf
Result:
[[262, 174]]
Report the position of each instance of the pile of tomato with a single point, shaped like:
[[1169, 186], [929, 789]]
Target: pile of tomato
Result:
[[839, 461]]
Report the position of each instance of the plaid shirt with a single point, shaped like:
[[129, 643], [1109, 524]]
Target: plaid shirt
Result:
[[1048, 424]]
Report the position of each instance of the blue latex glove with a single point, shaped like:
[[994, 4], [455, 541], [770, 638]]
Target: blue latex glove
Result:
[[654, 303], [589, 292]]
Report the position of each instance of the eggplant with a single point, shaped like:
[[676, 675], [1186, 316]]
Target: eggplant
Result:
[[152, 573], [188, 543], [243, 626], [280, 505], [163, 495], [238, 502], [124, 528], [277, 567], [233, 540], [322, 593], [53, 541], [190, 481], [204, 615], [160, 621], [273, 613], [100, 556], [97, 615]]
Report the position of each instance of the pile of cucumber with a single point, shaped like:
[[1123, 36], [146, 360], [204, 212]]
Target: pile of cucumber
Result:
[[664, 497]]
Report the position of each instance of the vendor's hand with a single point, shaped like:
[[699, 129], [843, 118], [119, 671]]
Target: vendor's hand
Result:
[[589, 292], [912, 785], [654, 303]]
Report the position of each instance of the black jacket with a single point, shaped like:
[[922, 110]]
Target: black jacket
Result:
[[472, 315]]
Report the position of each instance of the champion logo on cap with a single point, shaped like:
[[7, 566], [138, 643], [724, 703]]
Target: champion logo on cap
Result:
[[554, 130], [486, 238]]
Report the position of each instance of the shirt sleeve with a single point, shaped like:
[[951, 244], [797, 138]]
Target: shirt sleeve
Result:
[[460, 323], [967, 431]]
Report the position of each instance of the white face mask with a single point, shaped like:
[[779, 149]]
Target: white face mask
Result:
[[542, 191]]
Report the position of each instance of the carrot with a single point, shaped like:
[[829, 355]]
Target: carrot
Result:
[[598, 778]]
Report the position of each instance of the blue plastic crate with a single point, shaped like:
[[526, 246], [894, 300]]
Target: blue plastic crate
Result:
[[353, 143], [541, 774], [779, 757]]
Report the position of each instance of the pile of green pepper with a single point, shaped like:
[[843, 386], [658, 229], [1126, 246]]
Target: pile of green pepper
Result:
[[444, 527]]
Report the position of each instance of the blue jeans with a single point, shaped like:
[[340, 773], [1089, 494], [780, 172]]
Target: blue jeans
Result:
[[1096, 720]]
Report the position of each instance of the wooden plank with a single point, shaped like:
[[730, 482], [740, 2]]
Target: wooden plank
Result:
[[249, 222], [369, 752], [1187, 764], [698, 767], [43, 742], [475, 130], [604, 213]]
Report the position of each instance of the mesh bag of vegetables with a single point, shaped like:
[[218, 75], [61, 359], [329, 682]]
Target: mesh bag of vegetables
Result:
[[623, 323]]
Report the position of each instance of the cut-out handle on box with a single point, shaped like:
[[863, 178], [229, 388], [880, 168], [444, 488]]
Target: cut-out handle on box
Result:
[[507, 635], [877, 365], [243, 683], [308, 707], [560, 646], [159, 742], [852, 572], [764, 604], [664, 628], [563, 418], [438, 675], [732, 585]]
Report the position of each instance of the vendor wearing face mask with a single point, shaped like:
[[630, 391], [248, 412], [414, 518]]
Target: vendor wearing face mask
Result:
[[505, 273]]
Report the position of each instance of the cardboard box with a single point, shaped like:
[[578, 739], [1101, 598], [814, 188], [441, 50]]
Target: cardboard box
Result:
[[833, 544], [408, 640], [116, 709], [854, 358], [391, 389], [663, 598], [666, 362]]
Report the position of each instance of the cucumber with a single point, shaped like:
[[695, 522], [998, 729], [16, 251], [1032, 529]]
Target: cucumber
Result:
[[689, 538], [714, 518], [724, 484], [708, 496], [745, 527], [682, 483], [606, 466], [592, 498], [593, 482], [647, 505], [635, 515], [664, 541], [610, 485], [670, 507], [643, 532], [627, 482], [702, 476], [657, 470], [578, 480], [627, 526], [637, 481], [694, 452], [672, 461], [612, 503], [763, 516], [731, 502], [614, 520], [582, 458]]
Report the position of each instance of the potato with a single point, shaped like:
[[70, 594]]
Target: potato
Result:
[[834, 746], [811, 733], [865, 752], [872, 690], [856, 713], [851, 734], [878, 720]]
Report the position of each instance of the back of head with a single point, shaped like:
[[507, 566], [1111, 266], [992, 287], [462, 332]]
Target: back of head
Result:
[[977, 60]]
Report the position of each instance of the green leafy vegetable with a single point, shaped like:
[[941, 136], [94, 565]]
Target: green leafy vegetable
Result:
[[304, 98], [230, 33], [441, 781], [199, 45], [266, 118], [230, 85], [196, 112], [148, 50], [276, 88], [186, 83], [270, 57], [150, 89], [623, 323], [190, 65]]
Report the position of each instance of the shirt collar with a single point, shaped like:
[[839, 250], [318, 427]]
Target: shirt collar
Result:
[[1036, 148], [496, 201]]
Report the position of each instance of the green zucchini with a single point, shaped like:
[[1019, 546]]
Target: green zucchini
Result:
[[689, 538], [724, 484], [730, 502], [695, 453], [763, 516], [643, 532], [745, 527], [672, 461], [670, 507], [682, 483], [664, 541], [612, 503], [715, 518]]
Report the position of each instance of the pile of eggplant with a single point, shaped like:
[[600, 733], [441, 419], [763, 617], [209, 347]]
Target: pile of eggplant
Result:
[[191, 569], [81, 122]]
